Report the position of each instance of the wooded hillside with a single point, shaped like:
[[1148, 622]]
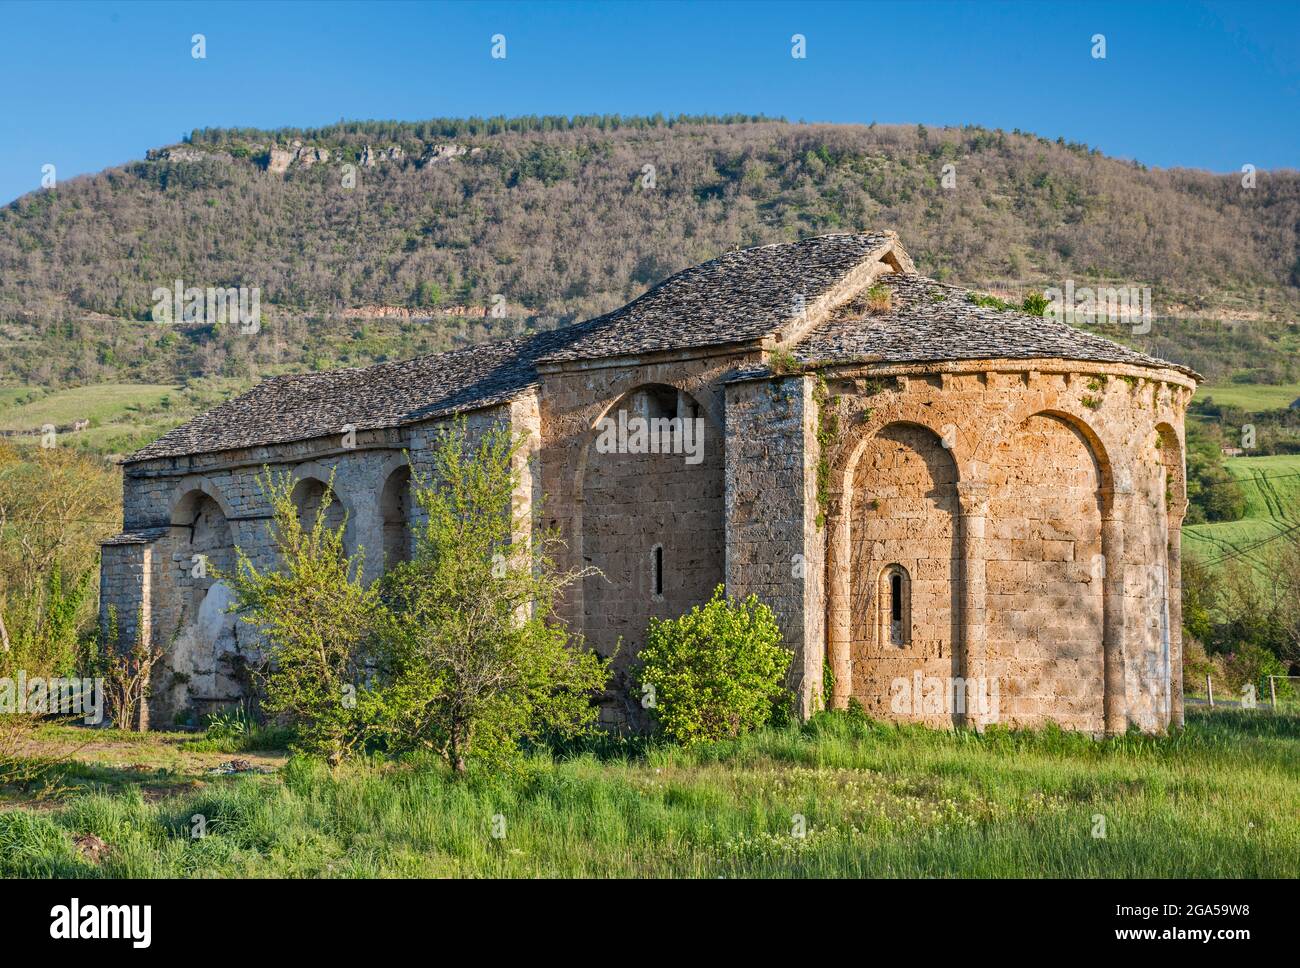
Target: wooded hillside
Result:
[[565, 220]]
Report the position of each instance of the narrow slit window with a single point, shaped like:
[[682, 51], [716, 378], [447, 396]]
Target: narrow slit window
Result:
[[657, 571], [895, 606]]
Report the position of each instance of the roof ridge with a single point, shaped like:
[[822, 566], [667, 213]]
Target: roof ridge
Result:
[[797, 294]]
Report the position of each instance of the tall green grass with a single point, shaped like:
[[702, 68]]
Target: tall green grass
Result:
[[1217, 800]]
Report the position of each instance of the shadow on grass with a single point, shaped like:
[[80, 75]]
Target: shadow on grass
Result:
[[1205, 730], [1245, 722], [154, 783]]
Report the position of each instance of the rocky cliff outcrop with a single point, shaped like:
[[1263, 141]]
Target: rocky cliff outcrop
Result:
[[280, 159]]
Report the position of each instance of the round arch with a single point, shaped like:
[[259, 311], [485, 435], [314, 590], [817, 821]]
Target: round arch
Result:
[[1096, 445], [395, 513], [709, 410], [1170, 448], [909, 529], [649, 519], [954, 439], [186, 494], [1056, 522], [311, 481]]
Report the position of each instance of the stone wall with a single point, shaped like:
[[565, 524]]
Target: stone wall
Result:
[[904, 521], [652, 525], [1069, 490], [1045, 619], [185, 517], [775, 541], [612, 510], [1030, 512]]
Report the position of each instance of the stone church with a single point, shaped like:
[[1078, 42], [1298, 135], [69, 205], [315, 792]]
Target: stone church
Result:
[[923, 487]]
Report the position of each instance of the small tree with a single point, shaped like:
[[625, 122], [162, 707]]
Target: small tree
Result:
[[478, 661], [127, 675], [319, 618], [715, 672]]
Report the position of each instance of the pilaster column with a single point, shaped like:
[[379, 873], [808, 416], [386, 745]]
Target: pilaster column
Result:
[[1174, 598], [838, 615], [974, 500], [1114, 518], [776, 548]]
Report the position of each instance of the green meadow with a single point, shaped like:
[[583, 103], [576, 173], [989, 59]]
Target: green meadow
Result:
[[837, 797], [1272, 489], [1252, 397], [123, 416], [104, 403]]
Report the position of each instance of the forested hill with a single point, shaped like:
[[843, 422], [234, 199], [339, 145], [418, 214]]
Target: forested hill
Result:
[[567, 219]]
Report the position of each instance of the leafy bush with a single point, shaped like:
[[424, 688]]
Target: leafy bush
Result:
[[715, 672], [318, 616], [1252, 665], [457, 651], [237, 730], [477, 659], [1035, 304]]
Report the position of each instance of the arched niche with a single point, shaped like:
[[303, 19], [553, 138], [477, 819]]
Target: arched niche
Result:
[[650, 515], [1047, 554], [201, 630], [311, 497], [901, 540], [395, 515]]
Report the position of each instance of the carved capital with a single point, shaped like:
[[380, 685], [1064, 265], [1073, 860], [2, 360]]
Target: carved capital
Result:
[[973, 497], [1115, 500]]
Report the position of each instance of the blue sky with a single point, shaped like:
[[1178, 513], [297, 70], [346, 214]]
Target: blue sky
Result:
[[1213, 85]]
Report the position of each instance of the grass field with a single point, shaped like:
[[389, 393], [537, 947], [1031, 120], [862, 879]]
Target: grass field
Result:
[[123, 416], [1252, 397], [1272, 489], [1217, 800], [105, 403]]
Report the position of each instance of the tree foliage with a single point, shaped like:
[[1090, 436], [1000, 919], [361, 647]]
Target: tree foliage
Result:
[[54, 505], [478, 658], [554, 214], [715, 672], [319, 619], [456, 651]]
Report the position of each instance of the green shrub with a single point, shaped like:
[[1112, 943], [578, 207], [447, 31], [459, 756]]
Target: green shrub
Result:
[[715, 672], [478, 662], [1035, 304], [237, 730], [318, 616], [1252, 665]]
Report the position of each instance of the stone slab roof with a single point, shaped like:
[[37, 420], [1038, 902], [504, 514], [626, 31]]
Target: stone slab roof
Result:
[[743, 295], [304, 406], [139, 536], [739, 297], [929, 322]]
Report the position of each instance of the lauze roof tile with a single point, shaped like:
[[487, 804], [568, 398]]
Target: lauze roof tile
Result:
[[739, 297]]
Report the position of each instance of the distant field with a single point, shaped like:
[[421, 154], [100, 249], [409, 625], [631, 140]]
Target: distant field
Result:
[[1272, 488], [1272, 485], [8, 395], [123, 416], [1209, 542], [102, 404], [1252, 396]]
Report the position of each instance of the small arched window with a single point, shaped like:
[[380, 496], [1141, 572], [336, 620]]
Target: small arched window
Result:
[[395, 509], [895, 606]]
